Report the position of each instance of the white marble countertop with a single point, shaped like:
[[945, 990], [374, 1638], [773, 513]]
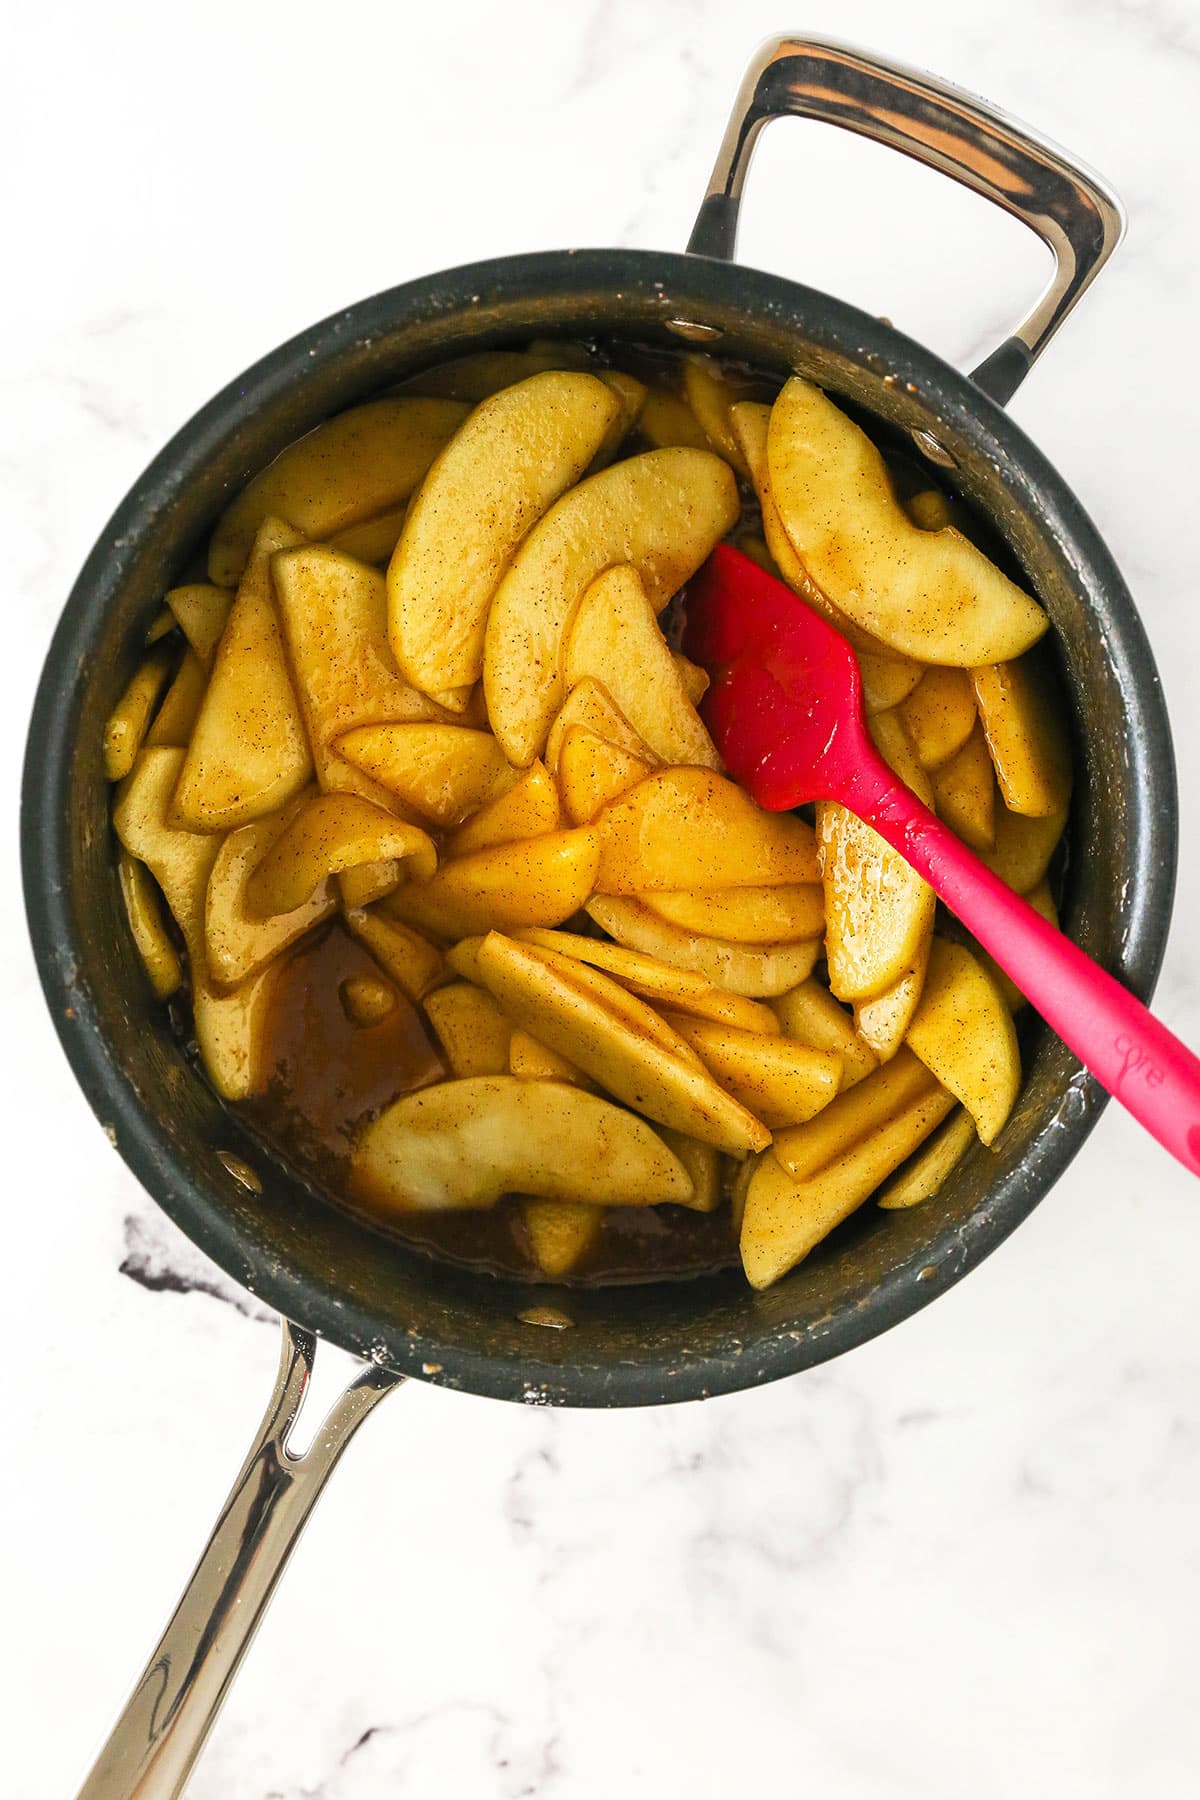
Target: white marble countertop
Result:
[[959, 1561]]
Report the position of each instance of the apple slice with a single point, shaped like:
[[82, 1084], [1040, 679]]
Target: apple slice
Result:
[[590, 706], [781, 1081], [754, 971], [662, 512], [329, 833], [527, 810], [940, 714], [374, 540], [857, 1113], [1021, 706], [703, 1164], [367, 1000], [334, 613], [964, 792], [535, 1061], [696, 681], [237, 941], [616, 638], [785, 1217], [631, 397], [690, 828], [473, 1032], [537, 881], [231, 1028], [963, 1033], [413, 963], [175, 720], [710, 396], [202, 613], [879, 911], [668, 423], [485, 372], [147, 927], [618, 1040], [130, 719], [248, 754], [928, 594], [651, 979], [748, 915], [359, 463], [462, 1144], [514, 456], [444, 772], [561, 1232], [923, 1174], [810, 1014], [591, 772], [887, 678], [1022, 846], [883, 1020]]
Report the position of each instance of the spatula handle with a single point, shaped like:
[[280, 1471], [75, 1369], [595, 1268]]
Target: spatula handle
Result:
[[1128, 1050]]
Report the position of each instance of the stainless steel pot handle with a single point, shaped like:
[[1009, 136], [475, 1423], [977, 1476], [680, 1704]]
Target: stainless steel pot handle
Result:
[[167, 1718], [1071, 209]]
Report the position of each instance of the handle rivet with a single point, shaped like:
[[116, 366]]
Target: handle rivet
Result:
[[241, 1171], [693, 331], [548, 1316]]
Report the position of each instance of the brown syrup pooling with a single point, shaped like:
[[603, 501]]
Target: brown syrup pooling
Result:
[[331, 1076]]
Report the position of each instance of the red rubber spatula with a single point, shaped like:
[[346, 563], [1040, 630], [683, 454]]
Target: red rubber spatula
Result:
[[785, 711]]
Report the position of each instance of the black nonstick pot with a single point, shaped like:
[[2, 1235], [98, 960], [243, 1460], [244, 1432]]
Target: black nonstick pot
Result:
[[333, 1275]]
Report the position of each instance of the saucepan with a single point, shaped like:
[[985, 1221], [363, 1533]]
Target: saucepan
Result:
[[330, 1275]]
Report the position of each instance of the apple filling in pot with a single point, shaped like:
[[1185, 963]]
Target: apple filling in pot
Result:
[[424, 839]]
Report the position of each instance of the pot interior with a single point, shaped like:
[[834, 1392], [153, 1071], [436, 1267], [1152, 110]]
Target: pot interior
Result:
[[330, 1270]]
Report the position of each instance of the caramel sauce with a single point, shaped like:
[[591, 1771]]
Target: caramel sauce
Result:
[[330, 1076]]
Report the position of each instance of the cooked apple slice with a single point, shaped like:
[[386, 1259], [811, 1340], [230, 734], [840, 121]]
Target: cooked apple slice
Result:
[[374, 540], [462, 1144], [329, 833], [703, 1164], [413, 963], [856, 1114], [963, 1033], [964, 792], [358, 464], [631, 397], [662, 512], [231, 1028], [175, 720], [696, 681], [1022, 846], [239, 942], [445, 772], [334, 613], [781, 1081], [690, 828], [367, 882], [1024, 721], [710, 396], [591, 707], [201, 611], [500, 472], [248, 754], [537, 881], [535, 1061], [147, 927], [473, 1032], [785, 1217], [367, 1000], [527, 810], [668, 423], [884, 673], [160, 626], [929, 594], [924, 1173], [748, 915], [561, 1232], [882, 1021], [591, 772], [811, 1014], [618, 1040], [878, 909], [940, 714], [651, 979], [756, 971], [615, 638], [130, 718]]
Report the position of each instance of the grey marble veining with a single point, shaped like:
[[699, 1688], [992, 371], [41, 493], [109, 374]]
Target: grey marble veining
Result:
[[960, 1561]]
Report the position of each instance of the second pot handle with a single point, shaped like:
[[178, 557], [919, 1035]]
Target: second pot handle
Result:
[[1071, 209], [151, 1750]]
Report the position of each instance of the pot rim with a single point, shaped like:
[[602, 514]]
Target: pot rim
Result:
[[652, 279]]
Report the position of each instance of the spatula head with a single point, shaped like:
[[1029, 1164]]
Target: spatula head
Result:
[[785, 705]]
